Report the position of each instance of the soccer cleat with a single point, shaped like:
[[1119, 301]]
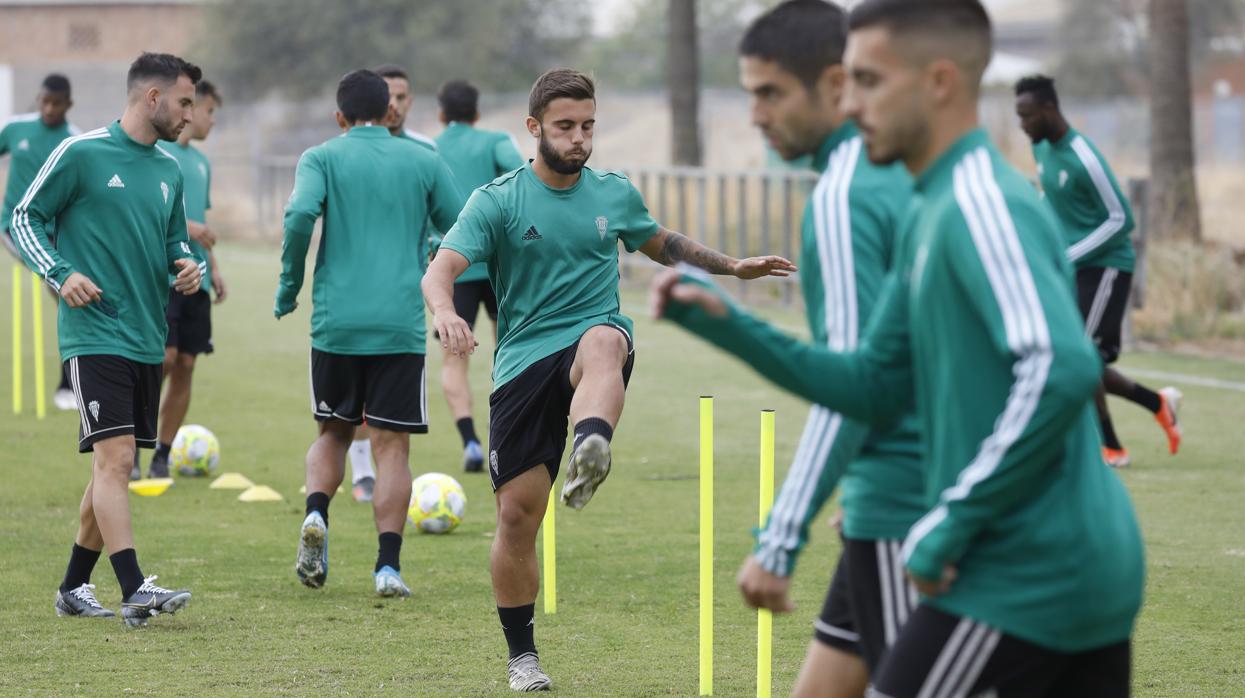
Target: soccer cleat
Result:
[[313, 551], [1115, 457], [589, 466], [151, 600], [160, 468], [1166, 417], [473, 458], [362, 490], [64, 399], [389, 583], [81, 602], [526, 674]]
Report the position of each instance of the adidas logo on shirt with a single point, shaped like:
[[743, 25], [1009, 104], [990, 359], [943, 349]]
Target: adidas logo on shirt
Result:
[[532, 234], [116, 183], [23, 144]]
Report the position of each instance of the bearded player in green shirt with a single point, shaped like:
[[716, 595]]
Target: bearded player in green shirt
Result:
[[476, 157], [1029, 561], [121, 231], [28, 140], [549, 234], [791, 63], [1097, 222]]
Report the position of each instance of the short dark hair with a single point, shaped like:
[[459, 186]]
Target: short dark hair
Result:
[[555, 84], [804, 37], [203, 88], [164, 67], [459, 100], [362, 96], [390, 71], [56, 84], [961, 19], [1041, 87]]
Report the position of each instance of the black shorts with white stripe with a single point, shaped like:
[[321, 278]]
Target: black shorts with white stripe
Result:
[[939, 655], [1102, 295], [869, 600], [116, 397], [388, 390]]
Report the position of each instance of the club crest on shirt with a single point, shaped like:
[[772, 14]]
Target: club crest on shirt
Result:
[[202, 169], [23, 144], [1063, 178], [603, 224], [164, 189], [93, 406]]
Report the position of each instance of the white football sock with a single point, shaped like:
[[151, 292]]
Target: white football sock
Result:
[[361, 460]]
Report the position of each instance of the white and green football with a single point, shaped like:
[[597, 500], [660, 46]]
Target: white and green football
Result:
[[195, 451], [437, 503]]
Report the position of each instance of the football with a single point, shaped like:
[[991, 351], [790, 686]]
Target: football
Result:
[[196, 451], [437, 503]]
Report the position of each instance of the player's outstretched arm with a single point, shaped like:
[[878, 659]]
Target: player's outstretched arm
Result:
[[438, 288], [670, 248], [305, 206]]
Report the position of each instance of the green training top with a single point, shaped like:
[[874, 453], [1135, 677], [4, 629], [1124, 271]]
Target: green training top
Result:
[[120, 221], [197, 175], [28, 142], [552, 257], [979, 326], [848, 244], [375, 192], [1096, 218], [477, 157]]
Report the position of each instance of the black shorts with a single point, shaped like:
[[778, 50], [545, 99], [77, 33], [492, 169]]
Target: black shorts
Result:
[[387, 390], [869, 600], [944, 655], [190, 322], [1102, 294], [116, 396], [468, 295], [527, 415]]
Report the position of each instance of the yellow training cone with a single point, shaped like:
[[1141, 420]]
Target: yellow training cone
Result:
[[231, 481], [261, 493], [151, 487]]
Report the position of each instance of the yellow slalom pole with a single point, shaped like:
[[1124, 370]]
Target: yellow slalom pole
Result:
[[706, 545], [36, 312], [765, 618], [550, 555], [17, 339]]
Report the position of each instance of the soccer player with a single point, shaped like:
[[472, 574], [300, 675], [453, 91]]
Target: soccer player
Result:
[[367, 321], [117, 202], [1097, 222], [29, 139], [189, 317], [476, 157], [549, 233], [1029, 561], [791, 63]]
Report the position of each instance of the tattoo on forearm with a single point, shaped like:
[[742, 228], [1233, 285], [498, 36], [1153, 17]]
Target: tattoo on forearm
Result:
[[679, 248]]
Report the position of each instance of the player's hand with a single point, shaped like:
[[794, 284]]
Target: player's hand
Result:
[[455, 333], [201, 234], [934, 588], [79, 291], [188, 277], [669, 286], [762, 589], [285, 303], [218, 285], [768, 265], [836, 521]]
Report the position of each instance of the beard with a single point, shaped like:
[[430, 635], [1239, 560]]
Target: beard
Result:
[[557, 162], [166, 126]]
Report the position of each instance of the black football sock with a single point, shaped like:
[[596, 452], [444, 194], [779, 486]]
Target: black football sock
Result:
[[591, 425], [162, 452], [319, 501], [518, 624], [467, 430], [390, 551], [81, 564], [125, 564], [1145, 397], [1109, 439]]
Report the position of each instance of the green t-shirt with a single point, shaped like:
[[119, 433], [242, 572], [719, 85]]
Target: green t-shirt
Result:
[[477, 157], [552, 257], [197, 175], [28, 143], [121, 221], [375, 193], [1096, 218]]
